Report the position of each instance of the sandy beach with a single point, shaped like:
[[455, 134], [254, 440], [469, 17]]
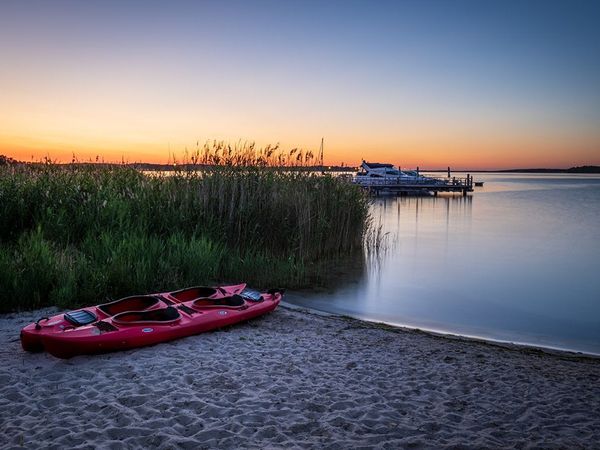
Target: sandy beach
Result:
[[295, 379]]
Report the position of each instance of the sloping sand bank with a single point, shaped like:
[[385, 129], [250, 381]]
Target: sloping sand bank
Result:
[[298, 380]]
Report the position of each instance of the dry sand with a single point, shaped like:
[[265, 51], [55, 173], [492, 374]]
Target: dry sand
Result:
[[298, 380]]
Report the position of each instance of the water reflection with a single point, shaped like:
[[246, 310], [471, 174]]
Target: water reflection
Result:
[[516, 261], [407, 220]]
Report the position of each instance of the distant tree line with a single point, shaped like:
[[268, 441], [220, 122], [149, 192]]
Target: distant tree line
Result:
[[6, 160], [578, 169]]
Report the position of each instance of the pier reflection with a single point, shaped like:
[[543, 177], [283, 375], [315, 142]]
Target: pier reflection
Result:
[[408, 219]]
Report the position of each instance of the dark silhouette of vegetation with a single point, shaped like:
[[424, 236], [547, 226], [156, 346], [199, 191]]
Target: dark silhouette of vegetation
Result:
[[6, 160]]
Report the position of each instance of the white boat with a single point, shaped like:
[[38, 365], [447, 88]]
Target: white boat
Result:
[[382, 174]]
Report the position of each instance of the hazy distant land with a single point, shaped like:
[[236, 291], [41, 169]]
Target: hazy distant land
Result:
[[577, 169], [172, 167]]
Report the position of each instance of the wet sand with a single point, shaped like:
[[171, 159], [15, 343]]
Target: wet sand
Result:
[[294, 379]]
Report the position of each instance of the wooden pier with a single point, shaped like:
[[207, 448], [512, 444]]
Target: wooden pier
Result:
[[429, 185]]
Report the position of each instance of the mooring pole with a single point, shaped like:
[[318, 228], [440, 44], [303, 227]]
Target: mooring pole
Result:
[[448, 171], [321, 154]]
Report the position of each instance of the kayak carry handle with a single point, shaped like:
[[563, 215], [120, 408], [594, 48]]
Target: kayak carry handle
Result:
[[276, 291], [37, 323]]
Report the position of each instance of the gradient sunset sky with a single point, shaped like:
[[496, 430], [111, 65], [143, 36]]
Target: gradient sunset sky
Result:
[[470, 84]]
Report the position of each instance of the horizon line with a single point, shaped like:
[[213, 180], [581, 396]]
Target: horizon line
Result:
[[126, 162]]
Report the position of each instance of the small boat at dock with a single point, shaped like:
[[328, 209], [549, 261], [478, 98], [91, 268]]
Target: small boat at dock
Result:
[[381, 174], [383, 178]]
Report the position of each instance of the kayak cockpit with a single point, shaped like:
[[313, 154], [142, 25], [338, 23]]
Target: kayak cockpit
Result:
[[185, 295], [234, 301], [134, 303], [163, 316]]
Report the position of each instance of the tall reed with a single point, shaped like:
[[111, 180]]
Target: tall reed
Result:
[[74, 234]]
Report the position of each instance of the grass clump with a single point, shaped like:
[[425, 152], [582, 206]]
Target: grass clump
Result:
[[77, 234]]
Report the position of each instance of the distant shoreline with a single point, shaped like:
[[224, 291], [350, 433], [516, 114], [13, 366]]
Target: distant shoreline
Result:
[[4, 160], [579, 169]]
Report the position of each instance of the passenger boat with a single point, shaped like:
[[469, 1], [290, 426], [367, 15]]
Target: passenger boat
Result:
[[143, 320]]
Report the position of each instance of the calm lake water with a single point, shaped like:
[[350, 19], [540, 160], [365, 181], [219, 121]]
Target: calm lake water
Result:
[[517, 261]]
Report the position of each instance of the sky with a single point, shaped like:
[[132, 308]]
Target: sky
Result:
[[467, 84]]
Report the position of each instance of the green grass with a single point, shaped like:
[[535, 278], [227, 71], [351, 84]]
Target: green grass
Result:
[[74, 235]]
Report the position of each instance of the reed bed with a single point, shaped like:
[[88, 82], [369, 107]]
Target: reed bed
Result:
[[77, 234]]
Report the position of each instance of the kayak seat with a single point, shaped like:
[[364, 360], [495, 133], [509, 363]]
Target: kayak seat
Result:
[[134, 303], [164, 315], [185, 295], [235, 301]]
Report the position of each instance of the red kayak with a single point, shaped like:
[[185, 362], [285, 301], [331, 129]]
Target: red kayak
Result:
[[146, 320]]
